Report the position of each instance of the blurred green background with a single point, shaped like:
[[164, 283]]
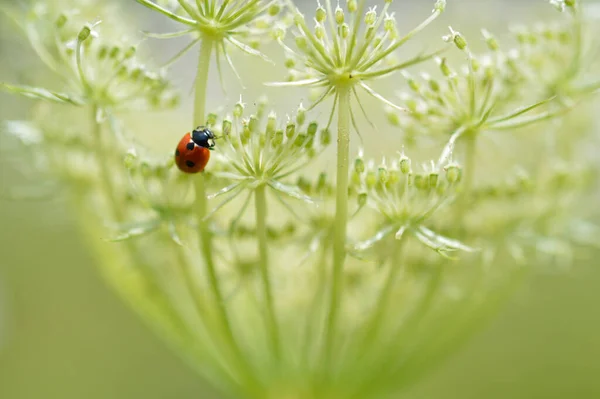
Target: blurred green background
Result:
[[65, 335]]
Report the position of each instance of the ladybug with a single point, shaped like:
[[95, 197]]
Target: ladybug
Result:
[[193, 151]]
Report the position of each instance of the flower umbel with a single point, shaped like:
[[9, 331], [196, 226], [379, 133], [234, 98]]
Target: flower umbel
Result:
[[259, 150], [241, 24], [276, 274], [348, 48], [93, 68]]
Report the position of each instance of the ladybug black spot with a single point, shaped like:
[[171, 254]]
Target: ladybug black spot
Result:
[[176, 153], [190, 164], [190, 146]]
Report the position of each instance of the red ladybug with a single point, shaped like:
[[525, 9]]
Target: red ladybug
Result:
[[193, 151]]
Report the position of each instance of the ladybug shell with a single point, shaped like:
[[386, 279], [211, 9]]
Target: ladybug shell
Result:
[[190, 157]]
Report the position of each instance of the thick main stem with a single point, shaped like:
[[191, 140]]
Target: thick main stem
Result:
[[201, 208], [260, 201], [341, 213]]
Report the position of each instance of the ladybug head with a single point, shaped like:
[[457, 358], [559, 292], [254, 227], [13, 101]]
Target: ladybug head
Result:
[[203, 137]]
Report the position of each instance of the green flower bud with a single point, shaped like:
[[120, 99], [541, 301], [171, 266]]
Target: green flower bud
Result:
[[311, 130], [440, 6], [102, 52], [226, 126], [301, 115], [371, 18], [412, 83], [359, 165], [290, 130], [453, 173], [352, 5], [290, 63], [130, 52], [301, 140], [433, 85], [85, 32], [344, 31], [458, 40], [114, 52], [277, 139], [61, 21], [319, 31], [433, 179], [393, 177], [271, 123], [490, 40], [304, 185], [238, 109], [298, 19], [392, 116], [325, 137], [253, 124], [278, 33], [389, 24], [321, 14], [404, 164], [421, 182], [274, 9], [339, 15], [444, 67], [302, 43]]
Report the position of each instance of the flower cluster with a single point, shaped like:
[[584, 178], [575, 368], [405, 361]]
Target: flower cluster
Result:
[[275, 275], [219, 25], [348, 49], [94, 67]]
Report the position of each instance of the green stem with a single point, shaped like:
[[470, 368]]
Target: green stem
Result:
[[201, 84], [260, 201], [115, 209], [374, 325], [341, 214], [470, 140], [402, 338], [204, 232]]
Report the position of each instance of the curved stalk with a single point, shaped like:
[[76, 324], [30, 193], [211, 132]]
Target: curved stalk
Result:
[[341, 214], [260, 202]]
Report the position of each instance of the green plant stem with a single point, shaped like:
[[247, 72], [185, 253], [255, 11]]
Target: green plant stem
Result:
[[115, 209], [374, 324], [402, 337], [316, 308], [201, 84], [204, 232], [260, 201], [341, 214], [470, 140]]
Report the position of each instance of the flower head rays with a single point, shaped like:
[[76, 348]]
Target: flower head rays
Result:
[[347, 49], [259, 150], [242, 24]]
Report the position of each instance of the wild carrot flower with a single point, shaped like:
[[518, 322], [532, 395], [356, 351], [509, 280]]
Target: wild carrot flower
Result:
[[219, 25], [93, 68], [346, 49], [276, 279]]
